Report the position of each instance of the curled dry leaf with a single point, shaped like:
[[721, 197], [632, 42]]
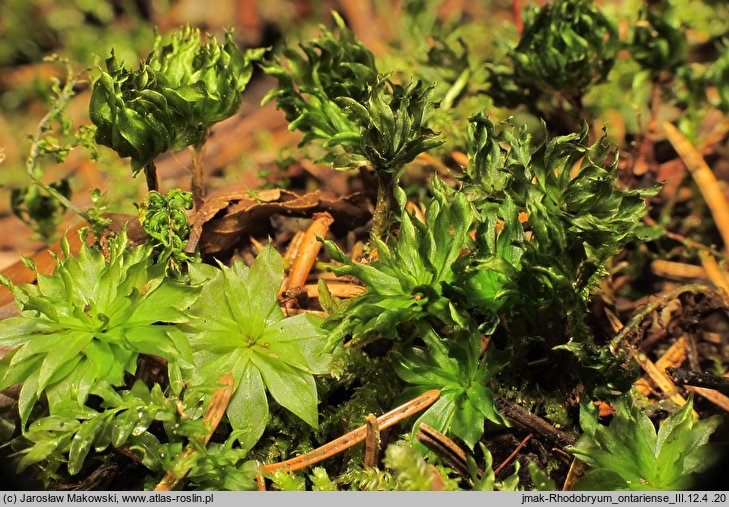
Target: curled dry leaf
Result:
[[227, 217]]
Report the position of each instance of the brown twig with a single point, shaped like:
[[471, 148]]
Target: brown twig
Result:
[[308, 250], [214, 413], [673, 357], [513, 454], [563, 455], [372, 441], [257, 245], [577, 468], [715, 274], [299, 311], [293, 249], [704, 178], [683, 377], [659, 377], [718, 399], [450, 453], [656, 371], [460, 158], [355, 436], [429, 159], [640, 166], [260, 482], [688, 242], [436, 483], [357, 252], [415, 210], [533, 423], [339, 290], [678, 270]]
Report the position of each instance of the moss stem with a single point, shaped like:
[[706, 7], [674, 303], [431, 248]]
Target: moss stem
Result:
[[198, 172], [150, 173], [381, 215]]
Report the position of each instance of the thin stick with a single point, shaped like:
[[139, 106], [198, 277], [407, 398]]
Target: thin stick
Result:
[[656, 374], [672, 358], [299, 311], [577, 468], [356, 436], [429, 159], [436, 447], [718, 399], [460, 158], [678, 270], [453, 448], [715, 274], [372, 441], [415, 210], [614, 320], [339, 290], [214, 413], [260, 482], [450, 453], [513, 454], [704, 178], [533, 423], [308, 250], [293, 247], [257, 245], [687, 242], [563, 455], [436, 481], [659, 377], [682, 377], [31, 162], [357, 252]]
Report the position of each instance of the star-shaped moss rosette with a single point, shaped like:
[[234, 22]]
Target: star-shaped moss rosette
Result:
[[629, 454], [405, 285], [89, 321], [237, 326], [172, 99]]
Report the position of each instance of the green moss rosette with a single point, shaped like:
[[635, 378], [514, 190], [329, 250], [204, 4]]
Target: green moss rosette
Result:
[[173, 98]]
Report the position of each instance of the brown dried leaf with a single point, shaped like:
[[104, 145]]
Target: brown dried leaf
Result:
[[239, 213]]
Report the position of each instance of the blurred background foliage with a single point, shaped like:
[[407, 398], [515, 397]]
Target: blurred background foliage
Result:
[[456, 45], [671, 63]]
